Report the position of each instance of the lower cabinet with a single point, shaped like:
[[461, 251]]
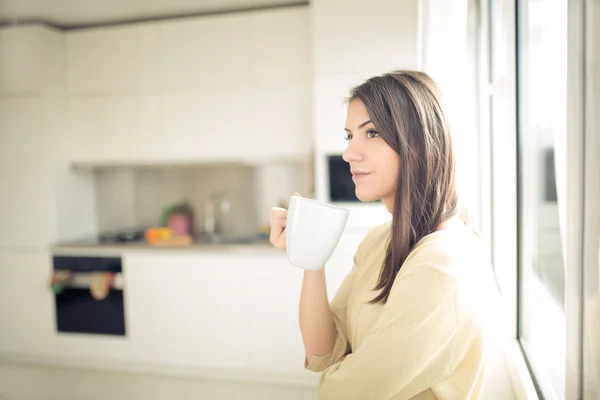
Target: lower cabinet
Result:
[[215, 311], [186, 310], [275, 343], [224, 314], [274, 286], [26, 307]]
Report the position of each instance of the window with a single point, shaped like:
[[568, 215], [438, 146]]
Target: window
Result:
[[542, 124]]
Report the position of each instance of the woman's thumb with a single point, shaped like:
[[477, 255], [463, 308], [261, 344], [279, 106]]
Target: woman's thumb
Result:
[[297, 194]]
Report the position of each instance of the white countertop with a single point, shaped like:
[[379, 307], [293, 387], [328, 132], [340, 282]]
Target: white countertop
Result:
[[118, 249]]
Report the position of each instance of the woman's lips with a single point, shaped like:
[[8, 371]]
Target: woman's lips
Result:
[[358, 176]]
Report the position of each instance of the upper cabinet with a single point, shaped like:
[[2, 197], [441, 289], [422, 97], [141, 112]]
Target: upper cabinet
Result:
[[207, 125], [25, 206], [352, 41], [281, 46], [115, 60], [21, 59], [115, 129], [282, 120], [204, 52], [231, 87], [351, 37], [34, 141]]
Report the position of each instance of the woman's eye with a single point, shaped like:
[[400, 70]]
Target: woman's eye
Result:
[[348, 137], [372, 133]]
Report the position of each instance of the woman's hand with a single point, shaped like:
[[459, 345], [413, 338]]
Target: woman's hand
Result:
[[278, 225]]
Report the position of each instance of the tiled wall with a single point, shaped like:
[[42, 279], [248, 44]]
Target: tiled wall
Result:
[[115, 199], [134, 197]]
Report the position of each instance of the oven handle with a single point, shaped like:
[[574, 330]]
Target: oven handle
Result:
[[82, 280]]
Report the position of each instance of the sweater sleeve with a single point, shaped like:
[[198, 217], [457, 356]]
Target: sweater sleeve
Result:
[[407, 350], [338, 308]]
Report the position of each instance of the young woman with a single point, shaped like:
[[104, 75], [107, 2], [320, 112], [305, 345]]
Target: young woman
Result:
[[408, 320]]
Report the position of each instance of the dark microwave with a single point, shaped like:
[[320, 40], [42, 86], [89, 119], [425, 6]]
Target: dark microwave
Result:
[[341, 185]]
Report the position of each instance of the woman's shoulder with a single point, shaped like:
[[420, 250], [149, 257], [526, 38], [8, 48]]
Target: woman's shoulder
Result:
[[455, 260], [376, 236], [373, 245], [452, 250]]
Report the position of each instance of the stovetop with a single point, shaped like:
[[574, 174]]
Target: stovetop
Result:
[[122, 236]]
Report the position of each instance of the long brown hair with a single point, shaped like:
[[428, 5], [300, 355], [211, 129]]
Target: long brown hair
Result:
[[406, 109]]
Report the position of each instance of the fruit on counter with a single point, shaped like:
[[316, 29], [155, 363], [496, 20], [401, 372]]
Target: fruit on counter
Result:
[[154, 234], [175, 241], [160, 236]]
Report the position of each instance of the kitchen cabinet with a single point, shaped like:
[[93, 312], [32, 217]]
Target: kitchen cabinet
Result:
[[281, 46], [34, 142], [282, 120], [330, 110], [115, 129], [104, 128], [217, 311], [21, 60], [343, 44], [274, 297], [149, 138], [227, 315], [187, 310], [25, 204], [338, 66], [203, 125], [208, 125], [212, 51], [220, 88], [275, 341], [26, 304], [346, 52], [120, 60]]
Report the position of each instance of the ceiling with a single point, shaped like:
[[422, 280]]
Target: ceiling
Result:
[[80, 13]]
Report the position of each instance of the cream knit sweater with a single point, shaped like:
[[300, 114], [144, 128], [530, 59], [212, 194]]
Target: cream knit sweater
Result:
[[429, 340]]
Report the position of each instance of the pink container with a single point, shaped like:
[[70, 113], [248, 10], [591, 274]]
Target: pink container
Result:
[[180, 224]]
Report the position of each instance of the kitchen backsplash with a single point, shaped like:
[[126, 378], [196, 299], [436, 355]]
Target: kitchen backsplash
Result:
[[135, 196]]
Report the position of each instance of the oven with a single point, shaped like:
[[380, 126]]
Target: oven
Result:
[[88, 294]]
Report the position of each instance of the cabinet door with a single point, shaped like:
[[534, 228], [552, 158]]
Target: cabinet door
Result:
[[105, 129], [25, 204], [281, 46], [208, 125], [341, 45], [112, 60], [274, 331], [149, 140], [26, 304], [21, 65], [212, 51], [186, 310], [282, 119], [330, 108]]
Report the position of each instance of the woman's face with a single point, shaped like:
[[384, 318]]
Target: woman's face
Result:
[[374, 164]]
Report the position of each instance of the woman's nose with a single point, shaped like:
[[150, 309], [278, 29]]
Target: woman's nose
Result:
[[352, 153]]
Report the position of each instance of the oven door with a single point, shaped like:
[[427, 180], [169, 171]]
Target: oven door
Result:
[[77, 311]]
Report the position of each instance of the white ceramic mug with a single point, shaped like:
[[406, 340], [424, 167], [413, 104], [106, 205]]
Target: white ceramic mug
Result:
[[313, 231]]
